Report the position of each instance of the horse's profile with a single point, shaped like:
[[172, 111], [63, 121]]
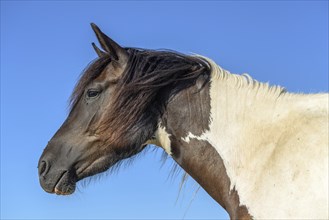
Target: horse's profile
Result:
[[259, 151]]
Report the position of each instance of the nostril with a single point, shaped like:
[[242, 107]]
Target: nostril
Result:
[[43, 168]]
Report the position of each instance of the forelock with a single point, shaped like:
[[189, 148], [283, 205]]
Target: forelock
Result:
[[91, 72]]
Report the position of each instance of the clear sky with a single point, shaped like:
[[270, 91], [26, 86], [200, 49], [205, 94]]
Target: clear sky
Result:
[[46, 45]]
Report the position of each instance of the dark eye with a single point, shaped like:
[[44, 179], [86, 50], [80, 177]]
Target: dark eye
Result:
[[92, 93]]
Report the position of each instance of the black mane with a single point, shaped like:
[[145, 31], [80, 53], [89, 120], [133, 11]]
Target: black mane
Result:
[[150, 79]]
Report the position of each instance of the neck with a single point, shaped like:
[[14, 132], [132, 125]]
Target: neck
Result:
[[188, 113], [225, 134]]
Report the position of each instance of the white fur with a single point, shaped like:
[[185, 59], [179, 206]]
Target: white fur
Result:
[[274, 146], [161, 139]]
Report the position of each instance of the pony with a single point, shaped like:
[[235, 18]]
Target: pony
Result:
[[258, 150]]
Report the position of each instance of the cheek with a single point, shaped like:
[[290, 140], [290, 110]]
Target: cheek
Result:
[[81, 120]]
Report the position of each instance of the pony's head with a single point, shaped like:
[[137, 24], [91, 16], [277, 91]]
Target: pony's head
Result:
[[115, 109]]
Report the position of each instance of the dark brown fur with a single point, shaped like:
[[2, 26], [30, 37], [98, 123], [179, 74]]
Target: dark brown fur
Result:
[[90, 74], [150, 79]]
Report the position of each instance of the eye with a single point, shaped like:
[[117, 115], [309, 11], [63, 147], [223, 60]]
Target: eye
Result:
[[92, 93]]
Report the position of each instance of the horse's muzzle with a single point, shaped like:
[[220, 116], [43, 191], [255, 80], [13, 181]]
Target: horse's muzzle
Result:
[[59, 181]]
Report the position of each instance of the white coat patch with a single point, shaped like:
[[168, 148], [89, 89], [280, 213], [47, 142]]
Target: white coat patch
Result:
[[274, 146], [161, 139]]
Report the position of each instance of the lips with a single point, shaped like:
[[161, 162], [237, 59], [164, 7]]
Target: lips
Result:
[[61, 183], [65, 185]]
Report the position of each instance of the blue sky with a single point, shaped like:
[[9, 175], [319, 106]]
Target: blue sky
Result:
[[46, 45]]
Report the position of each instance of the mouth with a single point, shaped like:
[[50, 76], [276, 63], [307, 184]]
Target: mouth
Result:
[[65, 185], [64, 181], [98, 166]]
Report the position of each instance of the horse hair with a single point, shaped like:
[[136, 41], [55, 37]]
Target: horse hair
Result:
[[142, 88], [148, 73]]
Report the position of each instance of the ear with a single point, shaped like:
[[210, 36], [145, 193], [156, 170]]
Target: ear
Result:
[[113, 49], [99, 52]]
